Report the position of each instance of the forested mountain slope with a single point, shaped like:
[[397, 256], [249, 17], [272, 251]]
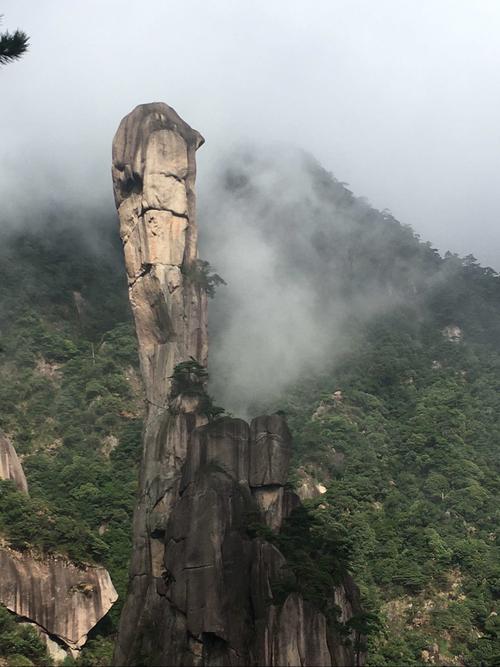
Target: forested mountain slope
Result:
[[70, 400], [404, 434], [400, 419], [397, 415]]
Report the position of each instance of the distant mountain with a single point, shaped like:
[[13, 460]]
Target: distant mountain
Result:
[[391, 358]]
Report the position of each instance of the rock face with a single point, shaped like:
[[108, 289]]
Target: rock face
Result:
[[154, 170], [10, 465], [203, 588], [64, 600], [270, 454]]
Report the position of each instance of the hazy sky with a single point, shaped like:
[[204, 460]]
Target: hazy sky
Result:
[[399, 98]]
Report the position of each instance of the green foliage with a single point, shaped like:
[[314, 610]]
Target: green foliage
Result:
[[364, 625], [202, 274], [317, 550], [19, 643], [28, 523], [190, 378], [70, 396], [418, 488], [97, 652], [12, 45], [409, 449]]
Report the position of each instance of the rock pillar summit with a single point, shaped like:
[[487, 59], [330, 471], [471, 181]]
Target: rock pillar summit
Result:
[[154, 171], [205, 587]]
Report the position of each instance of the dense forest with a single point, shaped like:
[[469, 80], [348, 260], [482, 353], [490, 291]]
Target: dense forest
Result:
[[400, 425], [70, 400]]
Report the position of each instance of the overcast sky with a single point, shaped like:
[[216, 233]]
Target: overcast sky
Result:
[[399, 98]]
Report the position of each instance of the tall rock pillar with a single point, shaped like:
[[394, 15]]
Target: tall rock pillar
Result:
[[208, 587], [154, 171]]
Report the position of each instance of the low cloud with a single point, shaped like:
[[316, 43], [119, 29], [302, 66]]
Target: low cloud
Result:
[[267, 228]]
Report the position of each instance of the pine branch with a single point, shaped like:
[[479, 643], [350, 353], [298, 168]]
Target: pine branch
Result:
[[12, 46]]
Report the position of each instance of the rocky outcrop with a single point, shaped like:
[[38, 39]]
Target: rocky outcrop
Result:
[[10, 465], [64, 600], [204, 588], [215, 596], [218, 582]]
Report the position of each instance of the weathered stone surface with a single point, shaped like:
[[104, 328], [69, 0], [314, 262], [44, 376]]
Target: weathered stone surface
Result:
[[63, 599], [296, 634], [346, 597], [10, 465], [275, 503], [223, 445], [268, 568], [206, 554], [202, 588], [152, 139], [154, 171], [214, 595], [309, 487], [158, 238], [270, 450]]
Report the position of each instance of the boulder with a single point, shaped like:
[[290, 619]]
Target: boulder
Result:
[[61, 598]]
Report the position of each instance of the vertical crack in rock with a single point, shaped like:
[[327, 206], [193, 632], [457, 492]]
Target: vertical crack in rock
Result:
[[202, 588]]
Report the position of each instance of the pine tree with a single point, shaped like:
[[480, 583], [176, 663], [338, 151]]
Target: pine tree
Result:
[[12, 45]]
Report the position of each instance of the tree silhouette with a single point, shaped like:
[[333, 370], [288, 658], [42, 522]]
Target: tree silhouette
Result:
[[12, 45]]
